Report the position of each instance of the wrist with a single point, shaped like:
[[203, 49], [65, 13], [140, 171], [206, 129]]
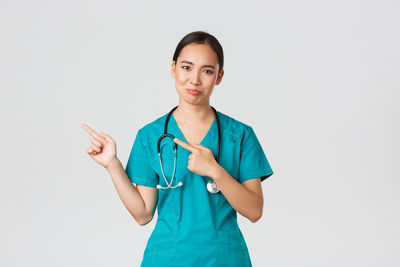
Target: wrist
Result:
[[217, 172], [114, 163]]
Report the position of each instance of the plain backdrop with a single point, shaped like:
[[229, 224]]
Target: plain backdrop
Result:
[[317, 80]]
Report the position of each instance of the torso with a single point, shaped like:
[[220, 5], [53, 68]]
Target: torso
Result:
[[194, 227]]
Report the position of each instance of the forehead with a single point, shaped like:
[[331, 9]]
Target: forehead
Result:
[[198, 54]]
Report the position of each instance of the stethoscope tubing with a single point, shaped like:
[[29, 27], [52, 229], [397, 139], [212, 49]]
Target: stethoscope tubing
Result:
[[211, 186]]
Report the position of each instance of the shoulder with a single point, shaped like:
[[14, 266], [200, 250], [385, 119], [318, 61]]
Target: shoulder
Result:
[[233, 127], [153, 130]]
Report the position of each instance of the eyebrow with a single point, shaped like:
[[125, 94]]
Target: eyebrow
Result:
[[204, 66]]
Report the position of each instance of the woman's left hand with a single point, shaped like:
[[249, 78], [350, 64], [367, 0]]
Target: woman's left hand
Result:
[[201, 161]]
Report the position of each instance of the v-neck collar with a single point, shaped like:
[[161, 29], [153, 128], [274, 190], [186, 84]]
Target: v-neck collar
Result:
[[182, 137]]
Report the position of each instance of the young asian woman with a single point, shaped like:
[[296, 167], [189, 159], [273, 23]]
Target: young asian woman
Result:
[[195, 227]]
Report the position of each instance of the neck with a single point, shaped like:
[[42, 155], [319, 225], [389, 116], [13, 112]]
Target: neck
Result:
[[193, 114]]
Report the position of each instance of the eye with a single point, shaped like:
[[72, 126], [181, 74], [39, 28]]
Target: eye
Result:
[[209, 71], [183, 67]]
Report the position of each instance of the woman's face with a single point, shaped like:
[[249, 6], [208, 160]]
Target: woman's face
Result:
[[196, 68]]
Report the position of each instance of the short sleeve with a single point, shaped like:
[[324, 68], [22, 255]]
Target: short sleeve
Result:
[[253, 162], [138, 167]]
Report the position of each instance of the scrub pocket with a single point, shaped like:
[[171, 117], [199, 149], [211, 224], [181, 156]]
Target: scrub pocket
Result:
[[160, 251], [232, 250]]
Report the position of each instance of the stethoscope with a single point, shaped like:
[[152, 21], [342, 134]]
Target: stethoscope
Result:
[[211, 185]]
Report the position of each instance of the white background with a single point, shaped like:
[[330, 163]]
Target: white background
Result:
[[317, 80]]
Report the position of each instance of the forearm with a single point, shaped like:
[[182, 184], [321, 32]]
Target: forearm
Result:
[[127, 192], [243, 200]]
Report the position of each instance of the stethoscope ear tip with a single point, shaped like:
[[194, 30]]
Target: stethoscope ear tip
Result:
[[169, 186]]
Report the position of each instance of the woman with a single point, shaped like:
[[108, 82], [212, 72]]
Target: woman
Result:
[[197, 201]]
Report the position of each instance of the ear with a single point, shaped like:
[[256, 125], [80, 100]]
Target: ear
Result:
[[173, 67], [221, 74]]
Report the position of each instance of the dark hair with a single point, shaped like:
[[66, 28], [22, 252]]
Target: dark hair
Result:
[[200, 37]]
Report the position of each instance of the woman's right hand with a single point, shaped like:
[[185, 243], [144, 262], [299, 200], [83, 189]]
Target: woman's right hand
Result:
[[102, 148]]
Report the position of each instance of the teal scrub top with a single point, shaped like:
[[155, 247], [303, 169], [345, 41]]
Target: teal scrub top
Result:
[[195, 227]]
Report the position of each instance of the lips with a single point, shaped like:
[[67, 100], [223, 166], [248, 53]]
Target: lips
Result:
[[193, 91]]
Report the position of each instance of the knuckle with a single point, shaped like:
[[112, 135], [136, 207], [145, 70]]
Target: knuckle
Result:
[[97, 143], [95, 148]]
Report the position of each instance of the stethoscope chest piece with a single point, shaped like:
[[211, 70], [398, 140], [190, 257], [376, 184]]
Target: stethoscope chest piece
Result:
[[212, 187]]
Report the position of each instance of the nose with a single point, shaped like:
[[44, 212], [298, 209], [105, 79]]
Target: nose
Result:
[[195, 78]]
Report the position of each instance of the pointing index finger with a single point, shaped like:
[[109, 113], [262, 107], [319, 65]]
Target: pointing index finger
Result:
[[184, 145], [92, 132]]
